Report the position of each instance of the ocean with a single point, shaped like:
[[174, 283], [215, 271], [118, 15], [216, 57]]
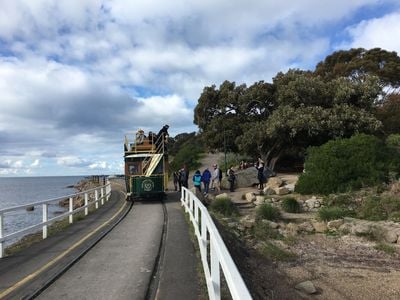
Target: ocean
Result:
[[23, 190]]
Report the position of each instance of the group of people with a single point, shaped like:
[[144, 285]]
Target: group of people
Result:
[[204, 181], [153, 138]]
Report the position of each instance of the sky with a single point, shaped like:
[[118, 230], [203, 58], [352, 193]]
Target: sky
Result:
[[76, 75]]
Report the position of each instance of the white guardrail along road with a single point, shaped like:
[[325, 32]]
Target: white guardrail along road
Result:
[[212, 247], [98, 194]]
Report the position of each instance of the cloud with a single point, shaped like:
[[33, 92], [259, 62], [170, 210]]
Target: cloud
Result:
[[72, 161], [35, 163], [377, 32], [76, 75]]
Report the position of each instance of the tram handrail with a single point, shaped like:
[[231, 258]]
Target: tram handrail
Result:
[[217, 254], [99, 194]]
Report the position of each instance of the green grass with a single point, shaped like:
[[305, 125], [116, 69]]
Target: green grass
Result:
[[268, 212], [274, 252], [334, 213], [224, 206], [291, 205], [263, 231], [388, 249]]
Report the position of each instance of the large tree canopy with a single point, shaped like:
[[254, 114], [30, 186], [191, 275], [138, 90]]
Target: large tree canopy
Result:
[[357, 63], [301, 108]]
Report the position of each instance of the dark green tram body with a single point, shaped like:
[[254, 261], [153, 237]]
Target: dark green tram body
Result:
[[146, 168]]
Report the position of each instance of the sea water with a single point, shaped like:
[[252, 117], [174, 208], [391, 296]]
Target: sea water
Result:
[[16, 191]]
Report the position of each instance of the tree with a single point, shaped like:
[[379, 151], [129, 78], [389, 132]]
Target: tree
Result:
[[356, 64], [389, 114], [221, 114]]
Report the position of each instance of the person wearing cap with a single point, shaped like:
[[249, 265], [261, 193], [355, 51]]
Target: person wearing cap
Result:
[[140, 137], [163, 134], [216, 183]]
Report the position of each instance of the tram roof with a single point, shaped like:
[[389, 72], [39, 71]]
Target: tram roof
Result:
[[140, 155]]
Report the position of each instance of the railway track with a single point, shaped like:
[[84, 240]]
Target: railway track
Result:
[[49, 287]]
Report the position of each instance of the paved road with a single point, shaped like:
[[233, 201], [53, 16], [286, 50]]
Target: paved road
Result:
[[120, 266]]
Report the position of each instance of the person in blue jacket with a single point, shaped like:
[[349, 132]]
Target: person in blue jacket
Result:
[[206, 178], [197, 180]]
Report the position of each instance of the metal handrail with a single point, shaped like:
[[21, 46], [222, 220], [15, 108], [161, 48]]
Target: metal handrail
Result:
[[101, 194], [217, 253]]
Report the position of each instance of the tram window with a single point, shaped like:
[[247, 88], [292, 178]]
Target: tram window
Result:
[[133, 169]]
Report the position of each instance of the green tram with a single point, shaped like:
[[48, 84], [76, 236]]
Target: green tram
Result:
[[146, 166]]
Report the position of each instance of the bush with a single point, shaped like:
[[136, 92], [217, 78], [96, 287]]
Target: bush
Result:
[[333, 213], [346, 164], [268, 212], [291, 205], [376, 208], [189, 155], [263, 231], [224, 206]]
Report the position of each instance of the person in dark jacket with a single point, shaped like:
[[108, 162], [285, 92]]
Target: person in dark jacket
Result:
[[260, 174], [197, 180], [176, 180], [231, 178], [206, 178]]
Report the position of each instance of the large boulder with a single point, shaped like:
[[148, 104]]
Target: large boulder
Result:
[[250, 197], [274, 182], [244, 178], [282, 191]]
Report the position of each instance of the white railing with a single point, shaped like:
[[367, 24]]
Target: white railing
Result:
[[213, 250], [98, 194]]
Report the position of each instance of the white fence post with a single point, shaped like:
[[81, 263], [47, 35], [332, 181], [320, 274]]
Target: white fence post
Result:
[[45, 219], [102, 196], [96, 198], [1, 235], [71, 209], [86, 203], [215, 276]]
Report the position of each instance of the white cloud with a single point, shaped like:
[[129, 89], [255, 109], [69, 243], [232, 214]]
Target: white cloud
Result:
[[75, 75], [72, 161], [378, 32], [35, 163]]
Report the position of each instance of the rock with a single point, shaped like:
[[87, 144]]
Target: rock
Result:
[[313, 202], [259, 200], [221, 196], [247, 221], [269, 191], [306, 227], [391, 237], [250, 197], [345, 228], [244, 178], [290, 187], [30, 208], [319, 226], [398, 240], [306, 287], [271, 224], [282, 191], [292, 228], [335, 224], [360, 229], [274, 182]]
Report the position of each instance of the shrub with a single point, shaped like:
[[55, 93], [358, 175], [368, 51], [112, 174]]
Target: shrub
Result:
[[291, 205], [189, 155], [333, 213], [376, 208], [388, 249], [274, 252], [224, 206], [346, 164], [268, 212], [263, 231], [232, 159]]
